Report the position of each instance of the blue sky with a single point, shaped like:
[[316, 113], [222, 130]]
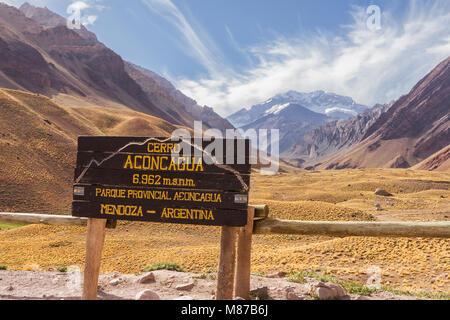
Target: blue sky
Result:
[[232, 54]]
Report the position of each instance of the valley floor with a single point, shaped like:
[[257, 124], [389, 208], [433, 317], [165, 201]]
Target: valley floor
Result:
[[417, 265]]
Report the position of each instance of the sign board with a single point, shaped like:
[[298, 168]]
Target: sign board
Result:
[[163, 180]]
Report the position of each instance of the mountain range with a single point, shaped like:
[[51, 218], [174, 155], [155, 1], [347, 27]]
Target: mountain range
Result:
[[414, 128], [63, 78], [292, 120], [163, 92], [330, 104], [332, 137], [295, 114], [38, 53], [410, 132], [38, 144]]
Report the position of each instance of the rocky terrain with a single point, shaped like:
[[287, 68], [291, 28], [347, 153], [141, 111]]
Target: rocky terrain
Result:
[[401, 134], [329, 104], [41, 55], [64, 83], [295, 114], [166, 95], [440, 161], [168, 285], [38, 146], [293, 121], [413, 129], [48, 18], [334, 136], [159, 95]]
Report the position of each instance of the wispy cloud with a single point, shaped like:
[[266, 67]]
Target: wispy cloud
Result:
[[79, 5], [194, 40], [370, 66]]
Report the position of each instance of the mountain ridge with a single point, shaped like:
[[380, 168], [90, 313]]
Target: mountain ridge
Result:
[[40, 54], [292, 121], [150, 82], [38, 139], [333, 137], [413, 129], [330, 104], [48, 18]]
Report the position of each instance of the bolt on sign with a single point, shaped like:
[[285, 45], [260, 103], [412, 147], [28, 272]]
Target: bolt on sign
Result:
[[168, 180]]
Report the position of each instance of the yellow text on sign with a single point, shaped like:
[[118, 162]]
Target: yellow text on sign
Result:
[[121, 210], [156, 147], [158, 195], [191, 214], [163, 163]]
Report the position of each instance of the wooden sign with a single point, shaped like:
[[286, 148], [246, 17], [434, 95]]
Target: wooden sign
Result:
[[161, 180]]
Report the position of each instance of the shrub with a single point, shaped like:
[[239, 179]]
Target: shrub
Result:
[[2, 267], [350, 287], [62, 269], [164, 266], [297, 277]]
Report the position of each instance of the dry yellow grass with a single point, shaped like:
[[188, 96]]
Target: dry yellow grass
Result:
[[36, 168], [407, 264]]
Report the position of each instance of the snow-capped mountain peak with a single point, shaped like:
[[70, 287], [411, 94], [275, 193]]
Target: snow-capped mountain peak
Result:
[[343, 110], [327, 103], [276, 109]]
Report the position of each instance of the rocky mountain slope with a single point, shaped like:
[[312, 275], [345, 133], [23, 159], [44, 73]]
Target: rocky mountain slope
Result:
[[293, 121], [38, 147], [413, 129], [329, 104], [57, 60], [440, 161], [169, 98], [295, 114], [46, 17], [40, 54], [334, 136], [159, 95]]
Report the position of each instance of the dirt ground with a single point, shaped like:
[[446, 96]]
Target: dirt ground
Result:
[[41, 285]]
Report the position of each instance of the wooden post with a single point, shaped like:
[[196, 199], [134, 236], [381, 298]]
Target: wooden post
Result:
[[242, 277], [261, 211], [227, 262], [94, 246]]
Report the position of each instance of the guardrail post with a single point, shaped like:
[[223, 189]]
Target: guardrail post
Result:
[[227, 263], [243, 266], [94, 246]]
